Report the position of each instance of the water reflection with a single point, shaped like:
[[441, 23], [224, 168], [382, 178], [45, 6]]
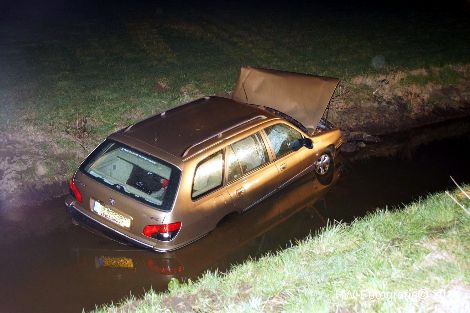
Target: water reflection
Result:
[[266, 227], [54, 266]]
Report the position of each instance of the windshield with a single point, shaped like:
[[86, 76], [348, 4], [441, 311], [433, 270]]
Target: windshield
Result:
[[133, 173]]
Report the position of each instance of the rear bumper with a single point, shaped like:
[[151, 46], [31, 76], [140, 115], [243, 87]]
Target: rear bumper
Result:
[[87, 219]]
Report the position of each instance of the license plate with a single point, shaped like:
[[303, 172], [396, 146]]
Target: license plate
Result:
[[111, 215], [114, 262]]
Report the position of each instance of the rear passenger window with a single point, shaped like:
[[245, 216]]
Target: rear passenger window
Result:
[[208, 175], [281, 136], [250, 152]]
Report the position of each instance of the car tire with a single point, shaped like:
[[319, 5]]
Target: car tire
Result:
[[324, 168]]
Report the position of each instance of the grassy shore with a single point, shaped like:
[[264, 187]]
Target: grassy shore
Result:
[[66, 86], [90, 77], [414, 258]]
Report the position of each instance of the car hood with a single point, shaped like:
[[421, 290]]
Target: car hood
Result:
[[304, 97]]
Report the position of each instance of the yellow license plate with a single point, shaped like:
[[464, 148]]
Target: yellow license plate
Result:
[[114, 262], [111, 215]]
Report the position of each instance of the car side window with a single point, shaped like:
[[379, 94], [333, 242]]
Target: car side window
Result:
[[250, 152], [234, 170], [208, 175], [281, 137]]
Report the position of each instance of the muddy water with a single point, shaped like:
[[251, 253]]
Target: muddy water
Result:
[[49, 265]]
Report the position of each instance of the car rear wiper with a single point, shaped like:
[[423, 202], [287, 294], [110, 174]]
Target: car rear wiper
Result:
[[123, 188]]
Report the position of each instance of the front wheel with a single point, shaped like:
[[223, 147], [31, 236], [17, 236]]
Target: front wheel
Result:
[[324, 168]]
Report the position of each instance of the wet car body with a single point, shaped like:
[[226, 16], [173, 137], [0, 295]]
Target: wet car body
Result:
[[166, 181]]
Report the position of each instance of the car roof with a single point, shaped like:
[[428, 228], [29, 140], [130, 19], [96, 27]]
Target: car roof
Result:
[[191, 127]]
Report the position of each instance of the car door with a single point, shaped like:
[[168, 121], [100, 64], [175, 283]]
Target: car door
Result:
[[208, 195], [291, 164], [250, 174]]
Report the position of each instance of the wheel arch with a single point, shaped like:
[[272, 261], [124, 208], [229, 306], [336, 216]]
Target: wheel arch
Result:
[[227, 218]]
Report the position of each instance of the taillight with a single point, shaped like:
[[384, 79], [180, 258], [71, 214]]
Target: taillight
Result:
[[164, 232], [76, 193]]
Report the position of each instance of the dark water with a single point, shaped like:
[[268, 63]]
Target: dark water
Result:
[[49, 265]]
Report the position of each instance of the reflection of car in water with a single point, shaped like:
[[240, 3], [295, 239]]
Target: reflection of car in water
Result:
[[271, 225], [172, 178]]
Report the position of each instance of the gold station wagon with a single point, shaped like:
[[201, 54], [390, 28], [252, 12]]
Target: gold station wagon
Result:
[[168, 180]]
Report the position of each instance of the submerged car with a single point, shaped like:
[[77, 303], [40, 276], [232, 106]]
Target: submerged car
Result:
[[168, 180]]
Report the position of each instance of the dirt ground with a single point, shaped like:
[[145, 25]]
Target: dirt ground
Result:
[[383, 104], [34, 165]]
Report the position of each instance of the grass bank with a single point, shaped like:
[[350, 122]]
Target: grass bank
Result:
[[67, 84], [90, 76], [413, 259]]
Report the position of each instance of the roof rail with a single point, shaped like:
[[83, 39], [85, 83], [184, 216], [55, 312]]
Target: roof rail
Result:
[[185, 153]]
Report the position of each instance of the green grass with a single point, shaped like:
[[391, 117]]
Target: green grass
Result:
[[389, 261], [107, 72], [77, 82]]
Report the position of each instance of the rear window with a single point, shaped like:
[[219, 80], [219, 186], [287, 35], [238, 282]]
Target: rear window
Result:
[[135, 174]]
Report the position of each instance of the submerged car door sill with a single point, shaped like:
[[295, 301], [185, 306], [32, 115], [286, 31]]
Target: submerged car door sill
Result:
[[298, 176], [260, 200]]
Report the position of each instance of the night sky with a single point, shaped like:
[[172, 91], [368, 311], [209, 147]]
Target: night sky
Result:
[[57, 12]]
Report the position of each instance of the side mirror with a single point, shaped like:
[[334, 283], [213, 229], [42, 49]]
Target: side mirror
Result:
[[308, 143], [302, 142]]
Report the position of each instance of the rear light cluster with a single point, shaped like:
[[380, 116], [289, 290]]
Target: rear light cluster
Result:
[[164, 232], [74, 190]]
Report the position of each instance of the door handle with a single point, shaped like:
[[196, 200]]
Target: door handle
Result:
[[282, 166], [240, 191]]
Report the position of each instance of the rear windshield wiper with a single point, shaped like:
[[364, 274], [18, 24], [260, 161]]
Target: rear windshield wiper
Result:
[[120, 187]]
